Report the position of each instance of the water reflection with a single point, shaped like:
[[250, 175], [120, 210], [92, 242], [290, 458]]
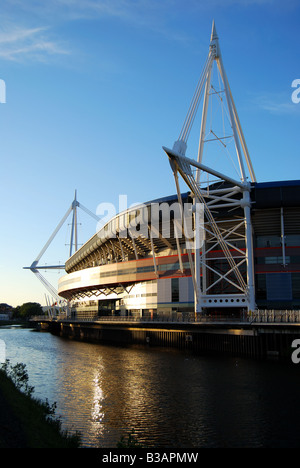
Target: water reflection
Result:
[[97, 415], [169, 398]]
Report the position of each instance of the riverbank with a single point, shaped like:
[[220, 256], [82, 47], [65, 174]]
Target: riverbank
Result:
[[24, 423]]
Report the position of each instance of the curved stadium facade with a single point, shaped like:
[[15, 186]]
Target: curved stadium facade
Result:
[[140, 263]]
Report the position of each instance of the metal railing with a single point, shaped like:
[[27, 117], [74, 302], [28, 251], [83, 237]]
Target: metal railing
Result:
[[257, 316], [275, 316]]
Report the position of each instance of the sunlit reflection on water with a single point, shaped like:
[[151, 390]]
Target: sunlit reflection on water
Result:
[[168, 398], [97, 413]]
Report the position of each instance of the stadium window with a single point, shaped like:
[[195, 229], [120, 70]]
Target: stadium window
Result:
[[261, 291], [296, 285], [268, 241], [276, 260], [292, 240], [175, 289]]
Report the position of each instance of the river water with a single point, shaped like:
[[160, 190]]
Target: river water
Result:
[[170, 398]]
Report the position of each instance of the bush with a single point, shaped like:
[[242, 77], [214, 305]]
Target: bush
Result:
[[29, 421]]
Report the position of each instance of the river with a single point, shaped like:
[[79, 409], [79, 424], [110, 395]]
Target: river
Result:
[[170, 398]]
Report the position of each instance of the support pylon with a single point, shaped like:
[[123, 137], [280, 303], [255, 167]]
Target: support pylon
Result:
[[35, 266], [227, 281]]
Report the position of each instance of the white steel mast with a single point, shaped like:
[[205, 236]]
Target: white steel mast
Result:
[[35, 266], [233, 237]]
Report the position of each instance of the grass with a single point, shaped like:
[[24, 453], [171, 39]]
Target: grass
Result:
[[25, 421]]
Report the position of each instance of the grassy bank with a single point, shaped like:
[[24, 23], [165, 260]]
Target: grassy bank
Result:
[[26, 422]]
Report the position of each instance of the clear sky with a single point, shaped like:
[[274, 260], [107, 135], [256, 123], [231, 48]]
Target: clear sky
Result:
[[95, 88]]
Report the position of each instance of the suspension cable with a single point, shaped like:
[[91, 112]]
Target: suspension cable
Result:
[[190, 117]]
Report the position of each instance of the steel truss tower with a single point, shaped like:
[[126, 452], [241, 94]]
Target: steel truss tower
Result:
[[222, 265], [35, 266]]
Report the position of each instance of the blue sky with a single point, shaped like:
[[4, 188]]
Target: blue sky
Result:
[[95, 88]]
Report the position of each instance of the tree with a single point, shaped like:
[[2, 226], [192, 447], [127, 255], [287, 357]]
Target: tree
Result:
[[29, 309]]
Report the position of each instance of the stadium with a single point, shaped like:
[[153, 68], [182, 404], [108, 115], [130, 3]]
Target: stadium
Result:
[[118, 273], [227, 245]]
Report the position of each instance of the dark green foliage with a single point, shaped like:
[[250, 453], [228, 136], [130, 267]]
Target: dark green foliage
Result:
[[27, 422], [27, 310], [130, 442]]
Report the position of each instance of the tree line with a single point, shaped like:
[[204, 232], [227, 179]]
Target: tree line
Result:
[[27, 310]]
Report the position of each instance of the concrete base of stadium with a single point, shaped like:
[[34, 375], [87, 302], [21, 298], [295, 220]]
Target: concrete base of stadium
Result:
[[254, 340]]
